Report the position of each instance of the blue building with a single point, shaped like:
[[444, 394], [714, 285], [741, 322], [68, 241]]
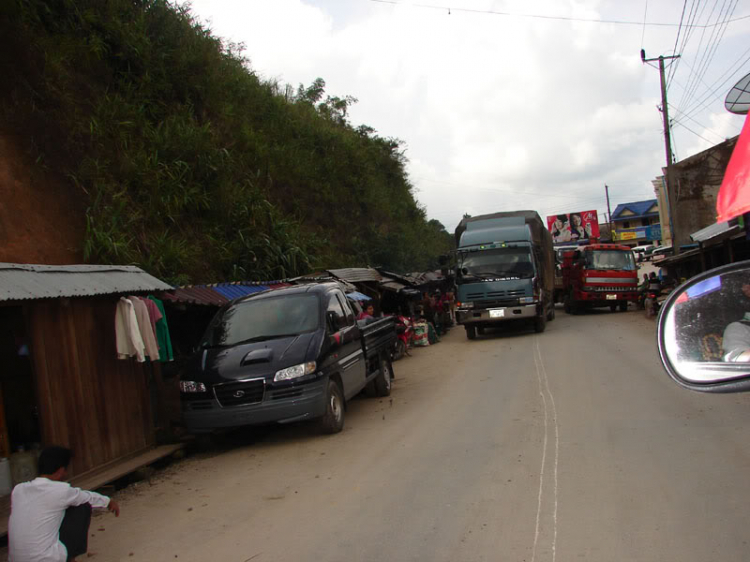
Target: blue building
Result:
[[637, 223]]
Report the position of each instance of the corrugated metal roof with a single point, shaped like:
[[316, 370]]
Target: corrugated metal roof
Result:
[[356, 274], [714, 230], [20, 281], [638, 208], [219, 294], [236, 291]]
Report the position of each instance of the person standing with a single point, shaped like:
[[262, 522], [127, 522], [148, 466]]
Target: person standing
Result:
[[49, 519]]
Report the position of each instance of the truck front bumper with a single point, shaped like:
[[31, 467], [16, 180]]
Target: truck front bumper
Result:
[[599, 298], [280, 406], [496, 314]]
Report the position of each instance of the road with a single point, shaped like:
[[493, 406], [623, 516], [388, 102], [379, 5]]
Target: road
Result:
[[568, 445]]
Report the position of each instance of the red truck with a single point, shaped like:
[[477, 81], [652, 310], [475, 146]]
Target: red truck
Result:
[[598, 275]]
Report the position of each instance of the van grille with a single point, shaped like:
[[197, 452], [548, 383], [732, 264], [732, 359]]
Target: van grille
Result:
[[240, 392]]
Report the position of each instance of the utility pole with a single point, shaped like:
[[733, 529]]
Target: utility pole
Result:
[[671, 192], [609, 216]]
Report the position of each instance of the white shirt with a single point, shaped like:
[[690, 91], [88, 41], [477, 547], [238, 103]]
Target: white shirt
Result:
[[37, 509], [736, 340]]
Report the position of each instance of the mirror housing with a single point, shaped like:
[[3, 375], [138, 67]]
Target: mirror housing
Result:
[[703, 332], [331, 322]]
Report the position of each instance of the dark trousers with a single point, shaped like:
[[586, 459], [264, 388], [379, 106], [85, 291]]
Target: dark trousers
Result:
[[74, 530]]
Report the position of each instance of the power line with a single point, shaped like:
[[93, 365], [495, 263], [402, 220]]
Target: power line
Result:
[[643, 33], [696, 134], [675, 122], [717, 34], [701, 103], [544, 17]]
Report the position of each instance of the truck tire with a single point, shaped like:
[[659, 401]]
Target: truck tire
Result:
[[383, 381], [551, 313], [612, 307], [480, 330], [571, 307], [471, 331], [540, 323], [333, 419], [624, 306]]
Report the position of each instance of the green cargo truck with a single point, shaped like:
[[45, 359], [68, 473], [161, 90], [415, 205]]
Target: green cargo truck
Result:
[[505, 271]]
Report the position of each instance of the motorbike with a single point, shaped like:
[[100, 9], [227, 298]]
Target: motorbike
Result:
[[404, 338], [651, 303]]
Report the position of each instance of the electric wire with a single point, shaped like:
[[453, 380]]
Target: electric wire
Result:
[[717, 35], [543, 16], [643, 33]]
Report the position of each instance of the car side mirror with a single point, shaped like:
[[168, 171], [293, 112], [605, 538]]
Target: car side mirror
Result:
[[332, 322], [703, 331]]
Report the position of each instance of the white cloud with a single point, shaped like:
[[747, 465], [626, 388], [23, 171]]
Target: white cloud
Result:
[[498, 112]]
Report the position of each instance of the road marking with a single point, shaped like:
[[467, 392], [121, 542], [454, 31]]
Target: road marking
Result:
[[541, 373]]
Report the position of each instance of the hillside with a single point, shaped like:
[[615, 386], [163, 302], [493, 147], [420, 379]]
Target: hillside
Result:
[[172, 154]]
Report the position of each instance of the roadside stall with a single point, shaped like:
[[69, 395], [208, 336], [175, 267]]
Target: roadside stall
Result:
[[63, 382]]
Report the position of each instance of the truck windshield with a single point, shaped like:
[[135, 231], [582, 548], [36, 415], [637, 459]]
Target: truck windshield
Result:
[[503, 262], [610, 259], [267, 318]]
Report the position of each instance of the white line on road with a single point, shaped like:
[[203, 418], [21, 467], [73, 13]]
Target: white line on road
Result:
[[557, 448], [541, 373]]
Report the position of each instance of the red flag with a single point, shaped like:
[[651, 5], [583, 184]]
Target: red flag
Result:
[[734, 193]]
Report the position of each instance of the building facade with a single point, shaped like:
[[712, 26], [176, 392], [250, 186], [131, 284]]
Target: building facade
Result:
[[637, 223]]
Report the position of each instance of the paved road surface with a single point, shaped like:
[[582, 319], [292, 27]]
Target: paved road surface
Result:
[[570, 445]]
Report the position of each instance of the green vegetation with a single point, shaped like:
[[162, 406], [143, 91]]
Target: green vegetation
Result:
[[192, 166]]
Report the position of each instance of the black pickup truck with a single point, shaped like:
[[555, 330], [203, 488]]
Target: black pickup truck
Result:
[[285, 355]]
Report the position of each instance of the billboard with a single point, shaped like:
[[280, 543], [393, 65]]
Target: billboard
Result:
[[573, 227]]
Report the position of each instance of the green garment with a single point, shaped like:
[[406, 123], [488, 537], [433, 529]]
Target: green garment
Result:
[[162, 333]]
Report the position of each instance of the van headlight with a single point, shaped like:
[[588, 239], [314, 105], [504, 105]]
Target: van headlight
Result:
[[526, 300], [295, 372], [469, 304], [192, 386]]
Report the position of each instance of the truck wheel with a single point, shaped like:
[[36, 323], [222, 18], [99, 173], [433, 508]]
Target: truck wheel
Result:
[[551, 313], [383, 381], [480, 330], [540, 323], [471, 331], [624, 306], [333, 419], [612, 307], [571, 307], [566, 305]]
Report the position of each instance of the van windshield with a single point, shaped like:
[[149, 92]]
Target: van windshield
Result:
[[610, 259], [262, 319], [499, 263]]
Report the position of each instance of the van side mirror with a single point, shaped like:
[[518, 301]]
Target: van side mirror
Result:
[[332, 322], [443, 260], [703, 333]]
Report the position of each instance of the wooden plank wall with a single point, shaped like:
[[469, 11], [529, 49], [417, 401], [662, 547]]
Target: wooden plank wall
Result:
[[89, 400]]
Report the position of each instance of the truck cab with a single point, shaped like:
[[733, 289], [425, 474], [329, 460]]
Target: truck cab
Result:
[[599, 275], [505, 271]]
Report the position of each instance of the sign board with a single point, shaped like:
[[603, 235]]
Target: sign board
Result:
[[573, 227]]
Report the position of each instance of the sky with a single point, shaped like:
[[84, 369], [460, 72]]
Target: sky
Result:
[[505, 105]]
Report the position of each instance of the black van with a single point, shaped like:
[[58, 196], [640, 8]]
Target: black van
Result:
[[285, 355]]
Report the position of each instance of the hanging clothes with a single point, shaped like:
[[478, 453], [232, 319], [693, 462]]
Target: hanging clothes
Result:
[[154, 315], [144, 325], [162, 333], [127, 335]]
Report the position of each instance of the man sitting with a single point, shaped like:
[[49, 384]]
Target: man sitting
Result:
[[49, 519]]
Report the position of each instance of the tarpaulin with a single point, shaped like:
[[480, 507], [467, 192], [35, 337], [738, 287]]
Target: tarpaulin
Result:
[[734, 193], [355, 296]]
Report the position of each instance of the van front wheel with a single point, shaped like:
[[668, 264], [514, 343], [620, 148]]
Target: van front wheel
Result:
[[333, 419]]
